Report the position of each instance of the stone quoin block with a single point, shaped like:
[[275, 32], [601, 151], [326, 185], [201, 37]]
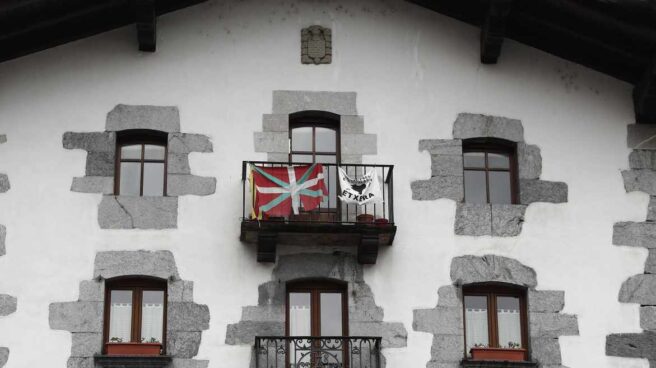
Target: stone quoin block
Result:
[[441, 320], [93, 184], [76, 316], [441, 146], [446, 165], [546, 351], [351, 124], [642, 159], [648, 318], [639, 289], [393, 334], [181, 291], [552, 324], [651, 209], [473, 219], [507, 219], [86, 344], [438, 187], [477, 125], [244, 332], [91, 142], [4, 356], [641, 136], [529, 161], [3, 237], [637, 234], [91, 291], [8, 304], [640, 180], [4, 183], [632, 345], [162, 118], [112, 264], [126, 212], [546, 301], [100, 163], [271, 142], [531, 191], [177, 185], [650, 264], [491, 268], [448, 347], [183, 344], [178, 163], [187, 143], [277, 123], [341, 103], [187, 316]]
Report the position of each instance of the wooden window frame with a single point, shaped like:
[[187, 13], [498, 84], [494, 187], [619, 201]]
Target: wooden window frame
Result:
[[493, 145], [137, 286], [315, 119], [315, 288], [140, 137], [491, 291]]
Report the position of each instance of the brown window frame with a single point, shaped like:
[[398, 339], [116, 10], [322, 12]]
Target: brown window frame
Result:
[[315, 288], [315, 119], [141, 137], [491, 291], [137, 286], [493, 145]]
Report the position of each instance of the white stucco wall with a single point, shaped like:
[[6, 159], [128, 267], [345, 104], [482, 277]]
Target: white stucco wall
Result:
[[413, 70]]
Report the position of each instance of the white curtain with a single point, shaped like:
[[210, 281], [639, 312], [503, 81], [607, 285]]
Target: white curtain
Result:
[[299, 325], [152, 321], [476, 327], [120, 321], [509, 327]]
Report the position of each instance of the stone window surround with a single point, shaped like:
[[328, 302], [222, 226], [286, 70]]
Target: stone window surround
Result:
[[8, 303], [447, 177], [130, 212], [639, 289], [84, 318], [445, 321], [268, 317]]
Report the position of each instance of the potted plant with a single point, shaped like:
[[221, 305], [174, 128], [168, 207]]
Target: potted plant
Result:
[[116, 346], [513, 352]]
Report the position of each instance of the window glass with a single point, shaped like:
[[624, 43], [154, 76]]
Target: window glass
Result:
[[300, 316], [476, 313], [302, 158], [120, 316], [132, 152], [474, 159], [152, 316], [326, 140], [153, 183], [153, 152], [130, 178], [500, 192], [302, 139], [509, 321], [331, 314], [475, 191], [498, 161]]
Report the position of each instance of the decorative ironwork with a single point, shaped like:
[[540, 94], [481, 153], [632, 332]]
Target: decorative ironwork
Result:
[[317, 352]]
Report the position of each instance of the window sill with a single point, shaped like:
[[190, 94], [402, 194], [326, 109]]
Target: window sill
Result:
[[137, 361], [496, 364]]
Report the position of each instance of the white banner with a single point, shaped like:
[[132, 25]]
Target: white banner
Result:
[[362, 190]]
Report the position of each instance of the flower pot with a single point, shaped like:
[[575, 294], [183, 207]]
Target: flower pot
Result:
[[133, 348], [499, 354], [365, 218], [381, 221]]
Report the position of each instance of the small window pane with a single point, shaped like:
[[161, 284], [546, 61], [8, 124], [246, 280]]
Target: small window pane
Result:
[[130, 178], [500, 187], [302, 158], [474, 159], [152, 316], [120, 316], [498, 161], [331, 314], [475, 191], [476, 331], [302, 139], [326, 140], [153, 152], [300, 316], [153, 179], [509, 321], [132, 152]]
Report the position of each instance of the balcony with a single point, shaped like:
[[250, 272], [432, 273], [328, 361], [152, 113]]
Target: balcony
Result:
[[317, 352], [333, 222]]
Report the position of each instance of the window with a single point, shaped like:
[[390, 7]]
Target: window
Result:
[[135, 316], [490, 171], [141, 163], [495, 317]]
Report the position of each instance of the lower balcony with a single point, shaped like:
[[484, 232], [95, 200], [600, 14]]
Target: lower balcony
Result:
[[317, 352]]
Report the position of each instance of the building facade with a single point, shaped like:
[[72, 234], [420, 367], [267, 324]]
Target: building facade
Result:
[[516, 210]]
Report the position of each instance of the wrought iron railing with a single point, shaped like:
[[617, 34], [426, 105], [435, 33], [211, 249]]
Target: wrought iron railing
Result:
[[317, 352], [332, 209]]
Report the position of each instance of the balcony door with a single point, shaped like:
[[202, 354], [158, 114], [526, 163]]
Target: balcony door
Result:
[[318, 310]]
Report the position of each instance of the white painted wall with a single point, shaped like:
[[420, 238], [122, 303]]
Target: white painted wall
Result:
[[413, 70]]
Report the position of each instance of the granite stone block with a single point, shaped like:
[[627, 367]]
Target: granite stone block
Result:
[[162, 118]]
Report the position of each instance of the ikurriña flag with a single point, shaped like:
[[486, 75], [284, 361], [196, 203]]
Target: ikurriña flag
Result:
[[279, 191]]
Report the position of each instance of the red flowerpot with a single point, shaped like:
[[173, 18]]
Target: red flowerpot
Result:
[[499, 354], [365, 218], [133, 348]]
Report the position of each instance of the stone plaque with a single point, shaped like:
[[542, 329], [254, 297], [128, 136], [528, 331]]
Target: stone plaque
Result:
[[316, 45]]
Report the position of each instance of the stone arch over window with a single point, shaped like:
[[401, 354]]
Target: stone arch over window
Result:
[[185, 320], [445, 321], [447, 177], [118, 211]]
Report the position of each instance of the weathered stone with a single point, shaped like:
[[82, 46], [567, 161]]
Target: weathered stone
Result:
[[637, 234], [299, 266], [650, 264], [648, 318], [159, 264], [263, 313], [437, 187], [126, 212], [507, 219], [76, 316], [180, 291], [358, 144], [189, 363], [4, 356], [276, 123], [80, 362], [341, 103], [552, 325], [641, 136], [351, 124], [473, 219], [546, 301], [363, 307], [92, 142], [93, 184], [177, 185], [639, 289], [446, 165], [491, 268], [449, 296], [640, 180], [546, 351], [449, 348], [531, 191], [8, 304], [183, 344], [91, 291], [394, 334], [440, 320], [244, 332], [477, 126], [162, 118], [441, 146], [187, 143], [642, 159], [86, 344], [178, 163], [632, 345], [4, 183], [100, 163], [529, 161], [3, 237], [271, 142], [271, 293], [186, 316]]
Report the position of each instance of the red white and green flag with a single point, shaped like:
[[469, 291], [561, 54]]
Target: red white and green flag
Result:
[[279, 191]]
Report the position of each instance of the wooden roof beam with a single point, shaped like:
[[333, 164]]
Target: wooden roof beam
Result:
[[493, 30], [146, 20]]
